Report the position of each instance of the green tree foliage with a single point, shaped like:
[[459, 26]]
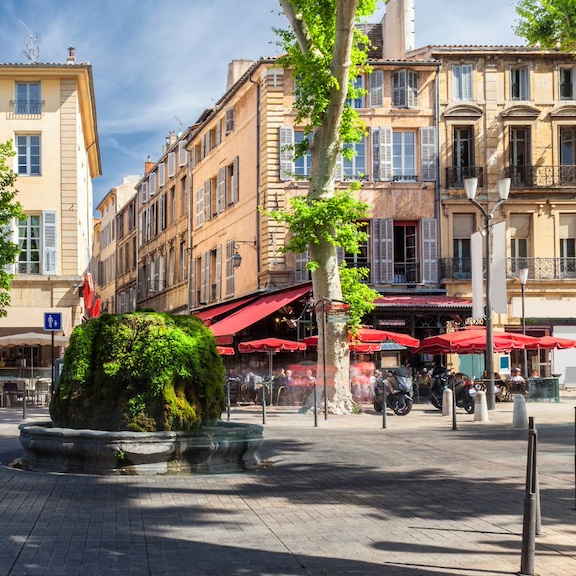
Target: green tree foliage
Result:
[[140, 371], [9, 209], [548, 23]]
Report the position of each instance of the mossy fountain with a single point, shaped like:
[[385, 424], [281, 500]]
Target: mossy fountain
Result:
[[140, 393]]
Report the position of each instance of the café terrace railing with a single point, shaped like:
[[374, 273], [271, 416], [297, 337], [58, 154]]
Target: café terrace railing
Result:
[[538, 268]]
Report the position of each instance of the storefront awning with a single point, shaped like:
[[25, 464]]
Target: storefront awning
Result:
[[208, 315], [20, 319], [255, 311], [414, 302]]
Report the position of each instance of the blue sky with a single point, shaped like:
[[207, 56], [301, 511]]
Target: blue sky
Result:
[[158, 64]]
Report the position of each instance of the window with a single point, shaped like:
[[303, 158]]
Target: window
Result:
[[376, 92], [462, 230], [462, 82], [199, 207], [405, 89], [520, 161], [171, 164], [462, 156], [173, 204], [301, 164], [163, 214], [183, 196], [519, 84], [152, 184], [405, 256], [171, 268], [567, 156], [566, 88], [519, 241], [360, 260], [355, 168], [28, 98], [144, 192], [182, 153], [28, 152], [182, 265], [161, 174], [37, 241], [357, 102], [232, 182], [230, 268], [382, 153], [229, 121], [403, 156], [567, 233]]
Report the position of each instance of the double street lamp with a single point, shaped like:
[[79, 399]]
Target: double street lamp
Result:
[[471, 185]]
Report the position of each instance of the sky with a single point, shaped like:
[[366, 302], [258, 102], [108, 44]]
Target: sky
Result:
[[157, 64]]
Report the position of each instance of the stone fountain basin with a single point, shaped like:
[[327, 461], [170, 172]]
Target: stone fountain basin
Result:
[[223, 448]]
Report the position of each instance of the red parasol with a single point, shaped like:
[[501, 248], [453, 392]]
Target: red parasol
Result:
[[225, 350], [473, 340], [271, 345], [372, 336], [552, 342]]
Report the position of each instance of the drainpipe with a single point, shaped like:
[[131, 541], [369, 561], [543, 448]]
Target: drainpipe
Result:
[[437, 210], [258, 262]]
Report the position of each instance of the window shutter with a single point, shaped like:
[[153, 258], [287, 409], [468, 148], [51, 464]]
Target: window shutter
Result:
[[382, 153], [229, 120], [192, 285], [181, 153], [161, 174], [8, 233], [144, 191], [207, 200], [340, 254], [221, 190], [429, 251], [286, 153], [399, 89], [467, 91], [218, 133], [524, 84], [193, 153], [161, 272], [49, 263], [230, 268], [457, 82], [428, 148], [376, 89], [383, 250], [171, 164], [412, 89], [218, 273], [199, 207], [235, 180], [301, 273], [204, 277], [152, 184], [339, 168]]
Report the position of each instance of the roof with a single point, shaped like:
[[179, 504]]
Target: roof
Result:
[[421, 302]]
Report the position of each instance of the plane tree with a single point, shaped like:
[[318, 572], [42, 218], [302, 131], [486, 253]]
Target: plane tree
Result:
[[548, 23]]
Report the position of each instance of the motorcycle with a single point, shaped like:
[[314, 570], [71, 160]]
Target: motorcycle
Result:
[[463, 386], [398, 388]]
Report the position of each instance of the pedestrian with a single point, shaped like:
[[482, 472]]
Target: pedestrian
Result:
[[517, 383]]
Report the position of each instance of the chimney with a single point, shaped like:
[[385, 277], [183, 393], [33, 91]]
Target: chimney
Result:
[[148, 165], [398, 29], [71, 59], [235, 70]]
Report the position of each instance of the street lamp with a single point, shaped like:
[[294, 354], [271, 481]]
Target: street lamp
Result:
[[523, 277], [471, 184]]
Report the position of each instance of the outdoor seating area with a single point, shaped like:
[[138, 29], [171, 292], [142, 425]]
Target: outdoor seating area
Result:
[[37, 391]]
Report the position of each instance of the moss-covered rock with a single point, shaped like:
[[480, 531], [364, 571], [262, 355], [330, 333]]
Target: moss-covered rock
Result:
[[141, 371]]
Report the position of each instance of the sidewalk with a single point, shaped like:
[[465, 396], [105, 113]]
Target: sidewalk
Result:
[[344, 498]]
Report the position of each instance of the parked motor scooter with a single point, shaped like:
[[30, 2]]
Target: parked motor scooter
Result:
[[463, 386], [398, 388]]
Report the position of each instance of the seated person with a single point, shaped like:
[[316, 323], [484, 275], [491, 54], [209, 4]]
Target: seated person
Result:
[[517, 383]]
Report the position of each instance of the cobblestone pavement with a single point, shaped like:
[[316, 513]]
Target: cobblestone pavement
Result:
[[344, 498]]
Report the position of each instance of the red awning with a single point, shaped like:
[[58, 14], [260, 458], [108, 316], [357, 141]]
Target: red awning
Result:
[[88, 290], [208, 315], [225, 350], [271, 345], [431, 301], [255, 311]]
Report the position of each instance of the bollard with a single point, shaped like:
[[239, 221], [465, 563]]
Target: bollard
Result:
[[529, 521], [520, 415], [480, 407], [447, 402], [384, 398], [228, 397], [263, 403]]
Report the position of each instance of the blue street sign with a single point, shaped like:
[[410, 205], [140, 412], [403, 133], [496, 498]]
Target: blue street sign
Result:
[[52, 321]]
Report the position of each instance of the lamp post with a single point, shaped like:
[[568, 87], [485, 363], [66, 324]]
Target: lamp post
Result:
[[471, 184], [523, 277]]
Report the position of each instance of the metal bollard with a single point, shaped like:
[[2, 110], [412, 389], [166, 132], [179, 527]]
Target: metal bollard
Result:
[[228, 397], [529, 521], [384, 397], [263, 403]]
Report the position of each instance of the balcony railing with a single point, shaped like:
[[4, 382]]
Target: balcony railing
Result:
[[566, 92], [27, 106], [541, 176], [455, 175], [538, 268], [406, 272]]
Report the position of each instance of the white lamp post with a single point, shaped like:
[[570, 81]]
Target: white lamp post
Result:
[[471, 184], [523, 277]]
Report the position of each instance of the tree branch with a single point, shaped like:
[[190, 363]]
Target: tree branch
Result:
[[297, 24]]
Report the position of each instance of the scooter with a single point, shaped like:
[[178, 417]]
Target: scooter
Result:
[[398, 389], [463, 387]]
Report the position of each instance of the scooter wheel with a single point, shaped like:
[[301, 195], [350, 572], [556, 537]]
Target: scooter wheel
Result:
[[469, 407], [435, 402], [377, 407], [402, 408]]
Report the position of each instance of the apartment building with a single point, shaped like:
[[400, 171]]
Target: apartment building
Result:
[[108, 264], [510, 111], [163, 229], [127, 255], [48, 112]]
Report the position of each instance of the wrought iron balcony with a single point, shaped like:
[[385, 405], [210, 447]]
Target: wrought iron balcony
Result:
[[538, 268], [455, 175], [27, 106], [406, 272], [541, 176]]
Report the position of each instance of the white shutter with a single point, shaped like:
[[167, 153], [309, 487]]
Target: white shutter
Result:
[[204, 277], [428, 152], [152, 184], [199, 207], [376, 89], [192, 285], [399, 89], [49, 260], [218, 133], [161, 174], [161, 272], [144, 192], [286, 153], [193, 157], [467, 90], [429, 251], [339, 168], [230, 251], [171, 164], [218, 273], [412, 89], [301, 273], [207, 200], [235, 197], [524, 84], [382, 153], [221, 190], [182, 153], [457, 82], [8, 232], [382, 237]]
